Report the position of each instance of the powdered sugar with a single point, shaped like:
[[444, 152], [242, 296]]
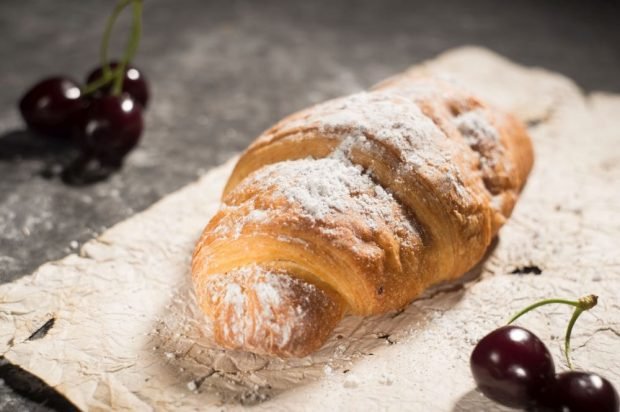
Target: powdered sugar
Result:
[[483, 137], [256, 304], [393, 120], [325, 188], [235, 297], [235, 229], [386, 117], [267, 295], [256, 215], [475, 127]]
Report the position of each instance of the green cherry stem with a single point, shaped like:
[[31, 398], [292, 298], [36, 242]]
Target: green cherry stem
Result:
[[569, 330], [108, 74], [107, 34], [542, 303], [131, 49], [100, 82], [581, 305]]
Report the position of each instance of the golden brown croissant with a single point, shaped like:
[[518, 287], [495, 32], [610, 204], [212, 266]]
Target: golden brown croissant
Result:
[[356, 205]]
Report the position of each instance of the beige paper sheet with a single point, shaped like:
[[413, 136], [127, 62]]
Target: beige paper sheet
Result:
[[127, 334]]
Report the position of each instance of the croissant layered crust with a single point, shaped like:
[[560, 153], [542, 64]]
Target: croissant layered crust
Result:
[[356, 205]]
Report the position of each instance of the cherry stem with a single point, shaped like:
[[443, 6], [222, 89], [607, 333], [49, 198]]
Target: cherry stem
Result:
[[131, 49], [578, 311], [581, 305], [100, 82], [117, 75], [107, 74], [542, 303], [107, 34]]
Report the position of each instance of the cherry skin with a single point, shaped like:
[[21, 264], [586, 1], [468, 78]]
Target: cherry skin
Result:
[[580, 392], [53, 106], [111, 127], [134, 83], [512, 366]]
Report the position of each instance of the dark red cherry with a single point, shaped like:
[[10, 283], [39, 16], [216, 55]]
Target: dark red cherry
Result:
[[111, 127], [134, 83], [512, 366], [580, 392], [53, 106]]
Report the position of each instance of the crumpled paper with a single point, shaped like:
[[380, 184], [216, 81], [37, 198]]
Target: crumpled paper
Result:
[[126, 333]]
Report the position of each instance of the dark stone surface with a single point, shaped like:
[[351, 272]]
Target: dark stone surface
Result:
[[222, 71]]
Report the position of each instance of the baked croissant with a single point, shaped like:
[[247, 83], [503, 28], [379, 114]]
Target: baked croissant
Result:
[[356, 205]]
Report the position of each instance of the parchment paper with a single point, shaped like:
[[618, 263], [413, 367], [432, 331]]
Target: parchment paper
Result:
[[127, 335]]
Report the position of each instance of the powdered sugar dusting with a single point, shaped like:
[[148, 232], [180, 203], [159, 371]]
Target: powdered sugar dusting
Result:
[[326, 188], [235, 297], [484, 138], [394, 120], [386, 117], [235, 229], [256, 304], [474, 127], [267, 295]]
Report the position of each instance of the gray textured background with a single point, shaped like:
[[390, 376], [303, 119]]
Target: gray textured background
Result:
[[222, 71]]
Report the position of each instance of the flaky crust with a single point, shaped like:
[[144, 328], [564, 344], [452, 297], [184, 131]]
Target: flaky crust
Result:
[[356, 205]]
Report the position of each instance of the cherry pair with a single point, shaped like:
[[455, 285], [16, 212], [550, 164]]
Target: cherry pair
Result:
[[103, 117], [513, 367], [103, 125]]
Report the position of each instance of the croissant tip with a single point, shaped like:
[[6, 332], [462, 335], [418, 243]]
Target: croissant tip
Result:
[[268, 312]]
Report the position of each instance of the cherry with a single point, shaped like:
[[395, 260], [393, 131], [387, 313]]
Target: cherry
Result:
[[512, 366], [111, 128], [134, 82], [52, 106], [580, 392]]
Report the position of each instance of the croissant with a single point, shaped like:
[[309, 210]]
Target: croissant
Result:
[[356, 206]]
